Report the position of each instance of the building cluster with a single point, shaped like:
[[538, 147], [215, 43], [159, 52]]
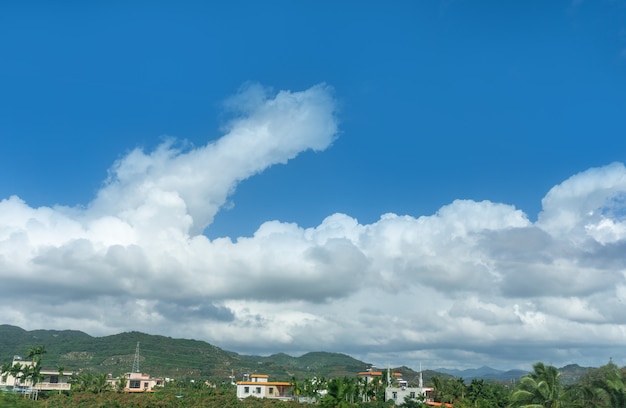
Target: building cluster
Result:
[[50, 380], [59, 380], [397, 389], [252, 385], [136, 382]]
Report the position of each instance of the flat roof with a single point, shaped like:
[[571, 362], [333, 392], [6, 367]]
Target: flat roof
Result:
[[373, 373], [263, 383]]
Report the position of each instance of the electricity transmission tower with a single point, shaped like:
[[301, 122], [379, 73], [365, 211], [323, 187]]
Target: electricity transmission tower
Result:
[[136, 361]]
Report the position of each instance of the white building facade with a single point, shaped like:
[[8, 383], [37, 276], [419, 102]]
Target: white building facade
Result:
[[258, 385], [51, 380], [398, 394]]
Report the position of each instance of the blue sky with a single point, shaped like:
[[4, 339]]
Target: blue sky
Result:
[[421, 105]]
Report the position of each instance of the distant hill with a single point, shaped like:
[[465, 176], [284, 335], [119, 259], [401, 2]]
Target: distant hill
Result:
[[572, 373], [413, 376], [569, 373], [165, 356], [310, 364], [184, 358], [485, 373]]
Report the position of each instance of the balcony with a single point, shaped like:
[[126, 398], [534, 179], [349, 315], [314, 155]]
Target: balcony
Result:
[[47, 386]]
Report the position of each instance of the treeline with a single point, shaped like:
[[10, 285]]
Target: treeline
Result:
[[603, 387]]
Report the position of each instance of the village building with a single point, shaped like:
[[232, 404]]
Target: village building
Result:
[[258, 385], [399, 391], [370, 375], [51, 380], [136, 382]]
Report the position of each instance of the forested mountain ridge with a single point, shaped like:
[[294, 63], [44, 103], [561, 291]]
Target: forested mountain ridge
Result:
[[165, 356], [184, 358]]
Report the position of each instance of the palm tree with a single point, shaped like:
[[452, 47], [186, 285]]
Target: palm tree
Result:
[[61, 370], [121, 384], [351, 389], [297, 388], [4, 371], [36, 352], [377, 389], [16, 372], [35, 376], [311, 387], [610, 389], [337, 396], [100, 384], [81, 381], [445, 390], [541, 388], [361, 388]]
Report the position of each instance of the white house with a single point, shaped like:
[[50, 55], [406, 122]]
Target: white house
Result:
[[398, 392], [257, 385], [52, 380]]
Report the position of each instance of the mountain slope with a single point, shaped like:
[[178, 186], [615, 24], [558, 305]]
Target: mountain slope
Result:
[[165, 356], [184, 358]]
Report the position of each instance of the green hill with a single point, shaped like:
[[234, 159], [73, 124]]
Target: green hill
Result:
[[165, 356], [183, 358]]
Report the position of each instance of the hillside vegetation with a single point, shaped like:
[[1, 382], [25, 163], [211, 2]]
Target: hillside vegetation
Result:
[[165, 356], [194, 359]]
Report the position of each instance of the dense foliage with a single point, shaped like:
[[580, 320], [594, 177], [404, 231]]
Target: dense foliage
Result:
[[603, 387], [164, 356], [324, 379]]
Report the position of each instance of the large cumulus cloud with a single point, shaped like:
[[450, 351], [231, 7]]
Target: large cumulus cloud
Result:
[[474, 282]]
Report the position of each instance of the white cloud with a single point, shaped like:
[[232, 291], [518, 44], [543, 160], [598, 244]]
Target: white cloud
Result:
[[475, 283], [586, 203]]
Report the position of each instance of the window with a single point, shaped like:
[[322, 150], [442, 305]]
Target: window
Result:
[[246, 390], [54, 379], [134, 384], [258, 390], [271, 390], [395, 395], [145, 386], [412, 394]]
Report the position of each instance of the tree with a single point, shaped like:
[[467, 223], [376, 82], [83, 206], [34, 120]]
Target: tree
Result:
[[100, 384], [603, 387], [16, 372], [413, 403], [61, 371], [481, 394], [34, 374], [448, 390], [297, 388], [121, 384], [36, 352], [310, 387], [541, 388], [350, 389], [4, 371], [361, 389], [377, 389], [337, 396]]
